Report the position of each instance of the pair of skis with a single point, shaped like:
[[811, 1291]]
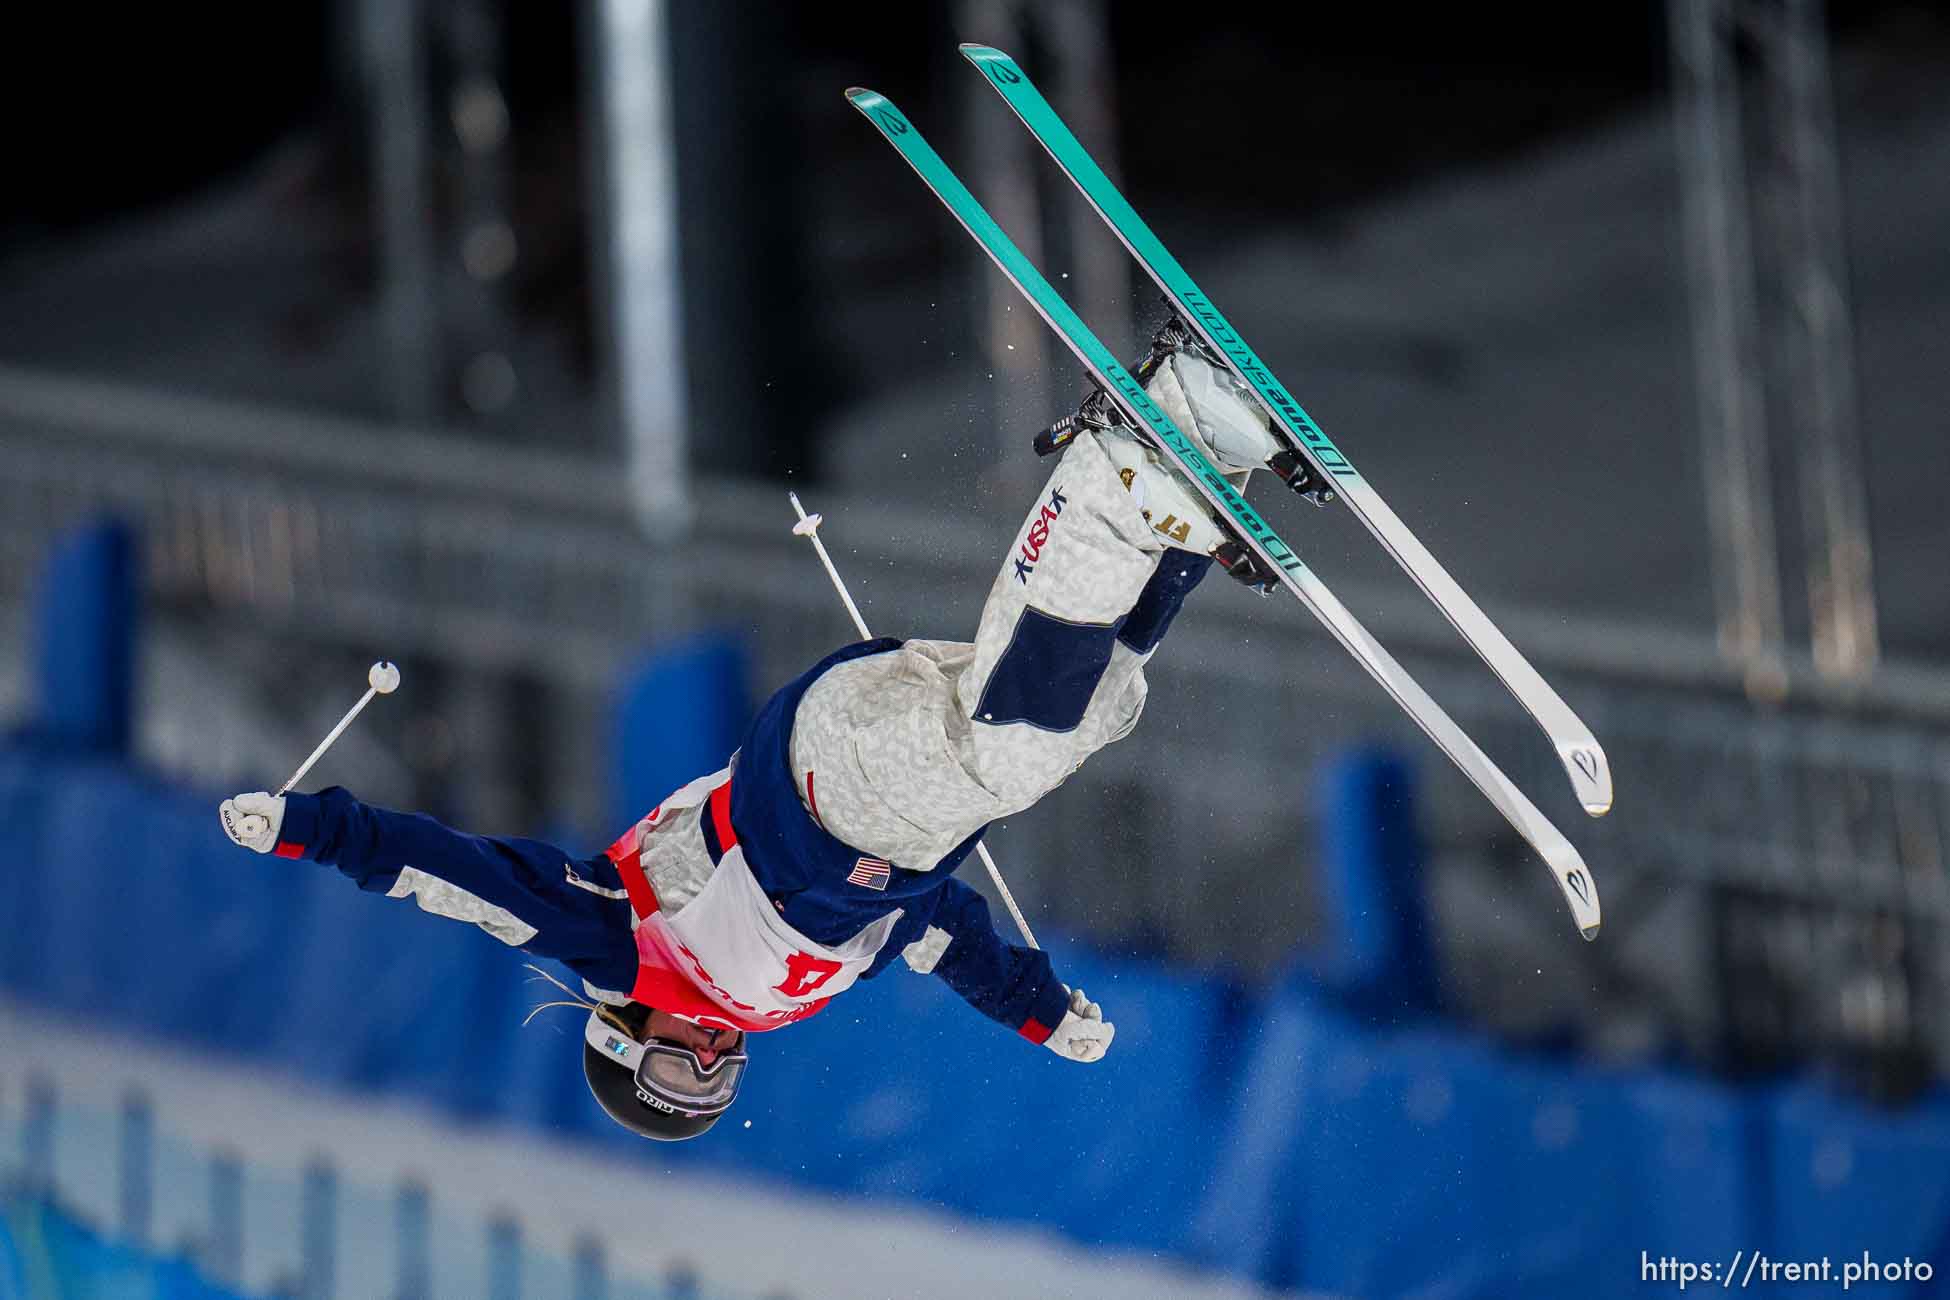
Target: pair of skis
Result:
[[1583, 759]]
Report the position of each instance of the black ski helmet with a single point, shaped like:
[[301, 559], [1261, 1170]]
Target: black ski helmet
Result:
[[609, 1065], [614, 1087]]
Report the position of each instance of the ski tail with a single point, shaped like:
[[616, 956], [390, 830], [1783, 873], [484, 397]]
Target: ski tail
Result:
[[1577, 748], [1119, 384], [1136, 407]]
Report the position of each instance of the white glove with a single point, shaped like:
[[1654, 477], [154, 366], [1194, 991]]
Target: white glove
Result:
[[1084, 1034], [252, 820]]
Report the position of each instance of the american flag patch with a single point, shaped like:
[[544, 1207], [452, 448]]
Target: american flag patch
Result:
[[871, 873]]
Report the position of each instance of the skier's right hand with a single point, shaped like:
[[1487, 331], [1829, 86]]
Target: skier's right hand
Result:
[[1083, 1034], [252, 820]]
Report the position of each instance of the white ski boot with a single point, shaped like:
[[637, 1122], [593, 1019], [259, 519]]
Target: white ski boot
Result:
[[1176, 512], [1209, 403], [1210, 407]]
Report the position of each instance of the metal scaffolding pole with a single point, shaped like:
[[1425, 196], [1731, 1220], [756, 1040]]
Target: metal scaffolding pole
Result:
[[392, 53], [471, 34], [1002, 169], [1772, 327], [1076, 42], [1721, 291], [638, 267], [1817, 352]]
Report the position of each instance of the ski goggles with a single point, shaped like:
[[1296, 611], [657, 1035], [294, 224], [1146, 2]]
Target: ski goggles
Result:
[[670, 1076]]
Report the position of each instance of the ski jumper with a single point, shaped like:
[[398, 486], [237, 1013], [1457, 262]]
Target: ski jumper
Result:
[[827, 847]]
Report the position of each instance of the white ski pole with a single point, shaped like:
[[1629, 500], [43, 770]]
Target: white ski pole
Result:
[[808, 528], [381, 679]]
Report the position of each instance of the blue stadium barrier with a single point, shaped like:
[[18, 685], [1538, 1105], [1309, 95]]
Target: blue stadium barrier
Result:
[[85, 628], [1242, 1223], [1380, 949], [1845, 1180], [1287, 1138], [680, 713], [1590, 1167], [899, 1088], [1383, 1161], [122, 893], [46, 1254]]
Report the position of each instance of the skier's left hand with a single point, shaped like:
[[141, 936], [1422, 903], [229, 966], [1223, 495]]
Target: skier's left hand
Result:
[[252, 820], [1084, 1034]]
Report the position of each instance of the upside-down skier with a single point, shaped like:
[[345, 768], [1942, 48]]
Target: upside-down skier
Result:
[[827, 847]]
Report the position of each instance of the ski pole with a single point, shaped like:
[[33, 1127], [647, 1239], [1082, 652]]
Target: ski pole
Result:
[[381, 679], [808, 528]]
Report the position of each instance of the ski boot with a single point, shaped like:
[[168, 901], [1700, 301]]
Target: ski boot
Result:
[[1177, 513], [1209, 403], [1168, 501], [1208, 406]]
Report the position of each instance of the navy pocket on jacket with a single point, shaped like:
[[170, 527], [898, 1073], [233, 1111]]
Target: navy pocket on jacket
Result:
[[1049, 672]]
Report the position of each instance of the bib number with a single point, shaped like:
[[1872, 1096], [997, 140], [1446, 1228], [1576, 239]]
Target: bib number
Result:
[[804, 973]]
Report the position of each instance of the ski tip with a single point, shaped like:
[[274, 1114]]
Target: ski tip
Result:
[[858, 93], [977, 50], [1590, 772], [1580, 891]]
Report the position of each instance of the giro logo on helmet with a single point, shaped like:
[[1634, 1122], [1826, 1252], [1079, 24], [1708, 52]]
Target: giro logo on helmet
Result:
[[650, 1101]]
